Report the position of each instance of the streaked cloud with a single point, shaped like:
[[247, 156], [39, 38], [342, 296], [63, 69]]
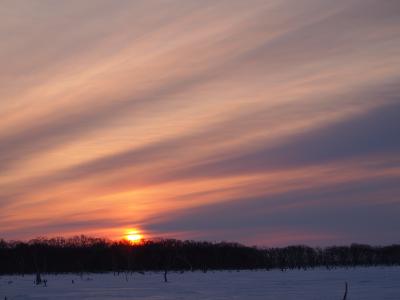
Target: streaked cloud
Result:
[[260, 117]]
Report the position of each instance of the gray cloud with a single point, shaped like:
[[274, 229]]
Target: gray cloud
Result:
[[360, 211], [372, 133]]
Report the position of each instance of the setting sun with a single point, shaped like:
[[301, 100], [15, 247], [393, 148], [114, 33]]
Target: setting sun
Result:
[[134, 236]]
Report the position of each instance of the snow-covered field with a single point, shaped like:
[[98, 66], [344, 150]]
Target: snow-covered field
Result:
[[364, 283]]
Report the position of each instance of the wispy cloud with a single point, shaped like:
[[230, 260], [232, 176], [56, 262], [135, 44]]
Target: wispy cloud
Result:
[[228, 109]]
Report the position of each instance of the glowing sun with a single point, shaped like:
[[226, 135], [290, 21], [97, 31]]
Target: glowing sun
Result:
[[134, 236]]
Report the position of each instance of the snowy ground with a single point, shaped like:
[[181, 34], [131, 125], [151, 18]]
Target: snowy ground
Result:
[[364, 283]]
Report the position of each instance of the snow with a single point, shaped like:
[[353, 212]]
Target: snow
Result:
[[364, 283]]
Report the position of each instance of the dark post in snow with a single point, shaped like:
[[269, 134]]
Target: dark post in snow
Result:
[[38, 278], [165, 275], [345, 291]]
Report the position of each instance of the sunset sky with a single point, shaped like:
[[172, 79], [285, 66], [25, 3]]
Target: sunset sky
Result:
[[263, 122]]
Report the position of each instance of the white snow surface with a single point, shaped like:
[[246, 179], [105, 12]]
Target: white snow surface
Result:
[[364, 283]]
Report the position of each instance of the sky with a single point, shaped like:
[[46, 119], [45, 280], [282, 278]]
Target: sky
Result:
[[268, 123]]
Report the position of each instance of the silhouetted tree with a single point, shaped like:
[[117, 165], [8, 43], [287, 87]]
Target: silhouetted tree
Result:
[[85, 254]]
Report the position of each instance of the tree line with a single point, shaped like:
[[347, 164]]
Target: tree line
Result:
[[86, 254]]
